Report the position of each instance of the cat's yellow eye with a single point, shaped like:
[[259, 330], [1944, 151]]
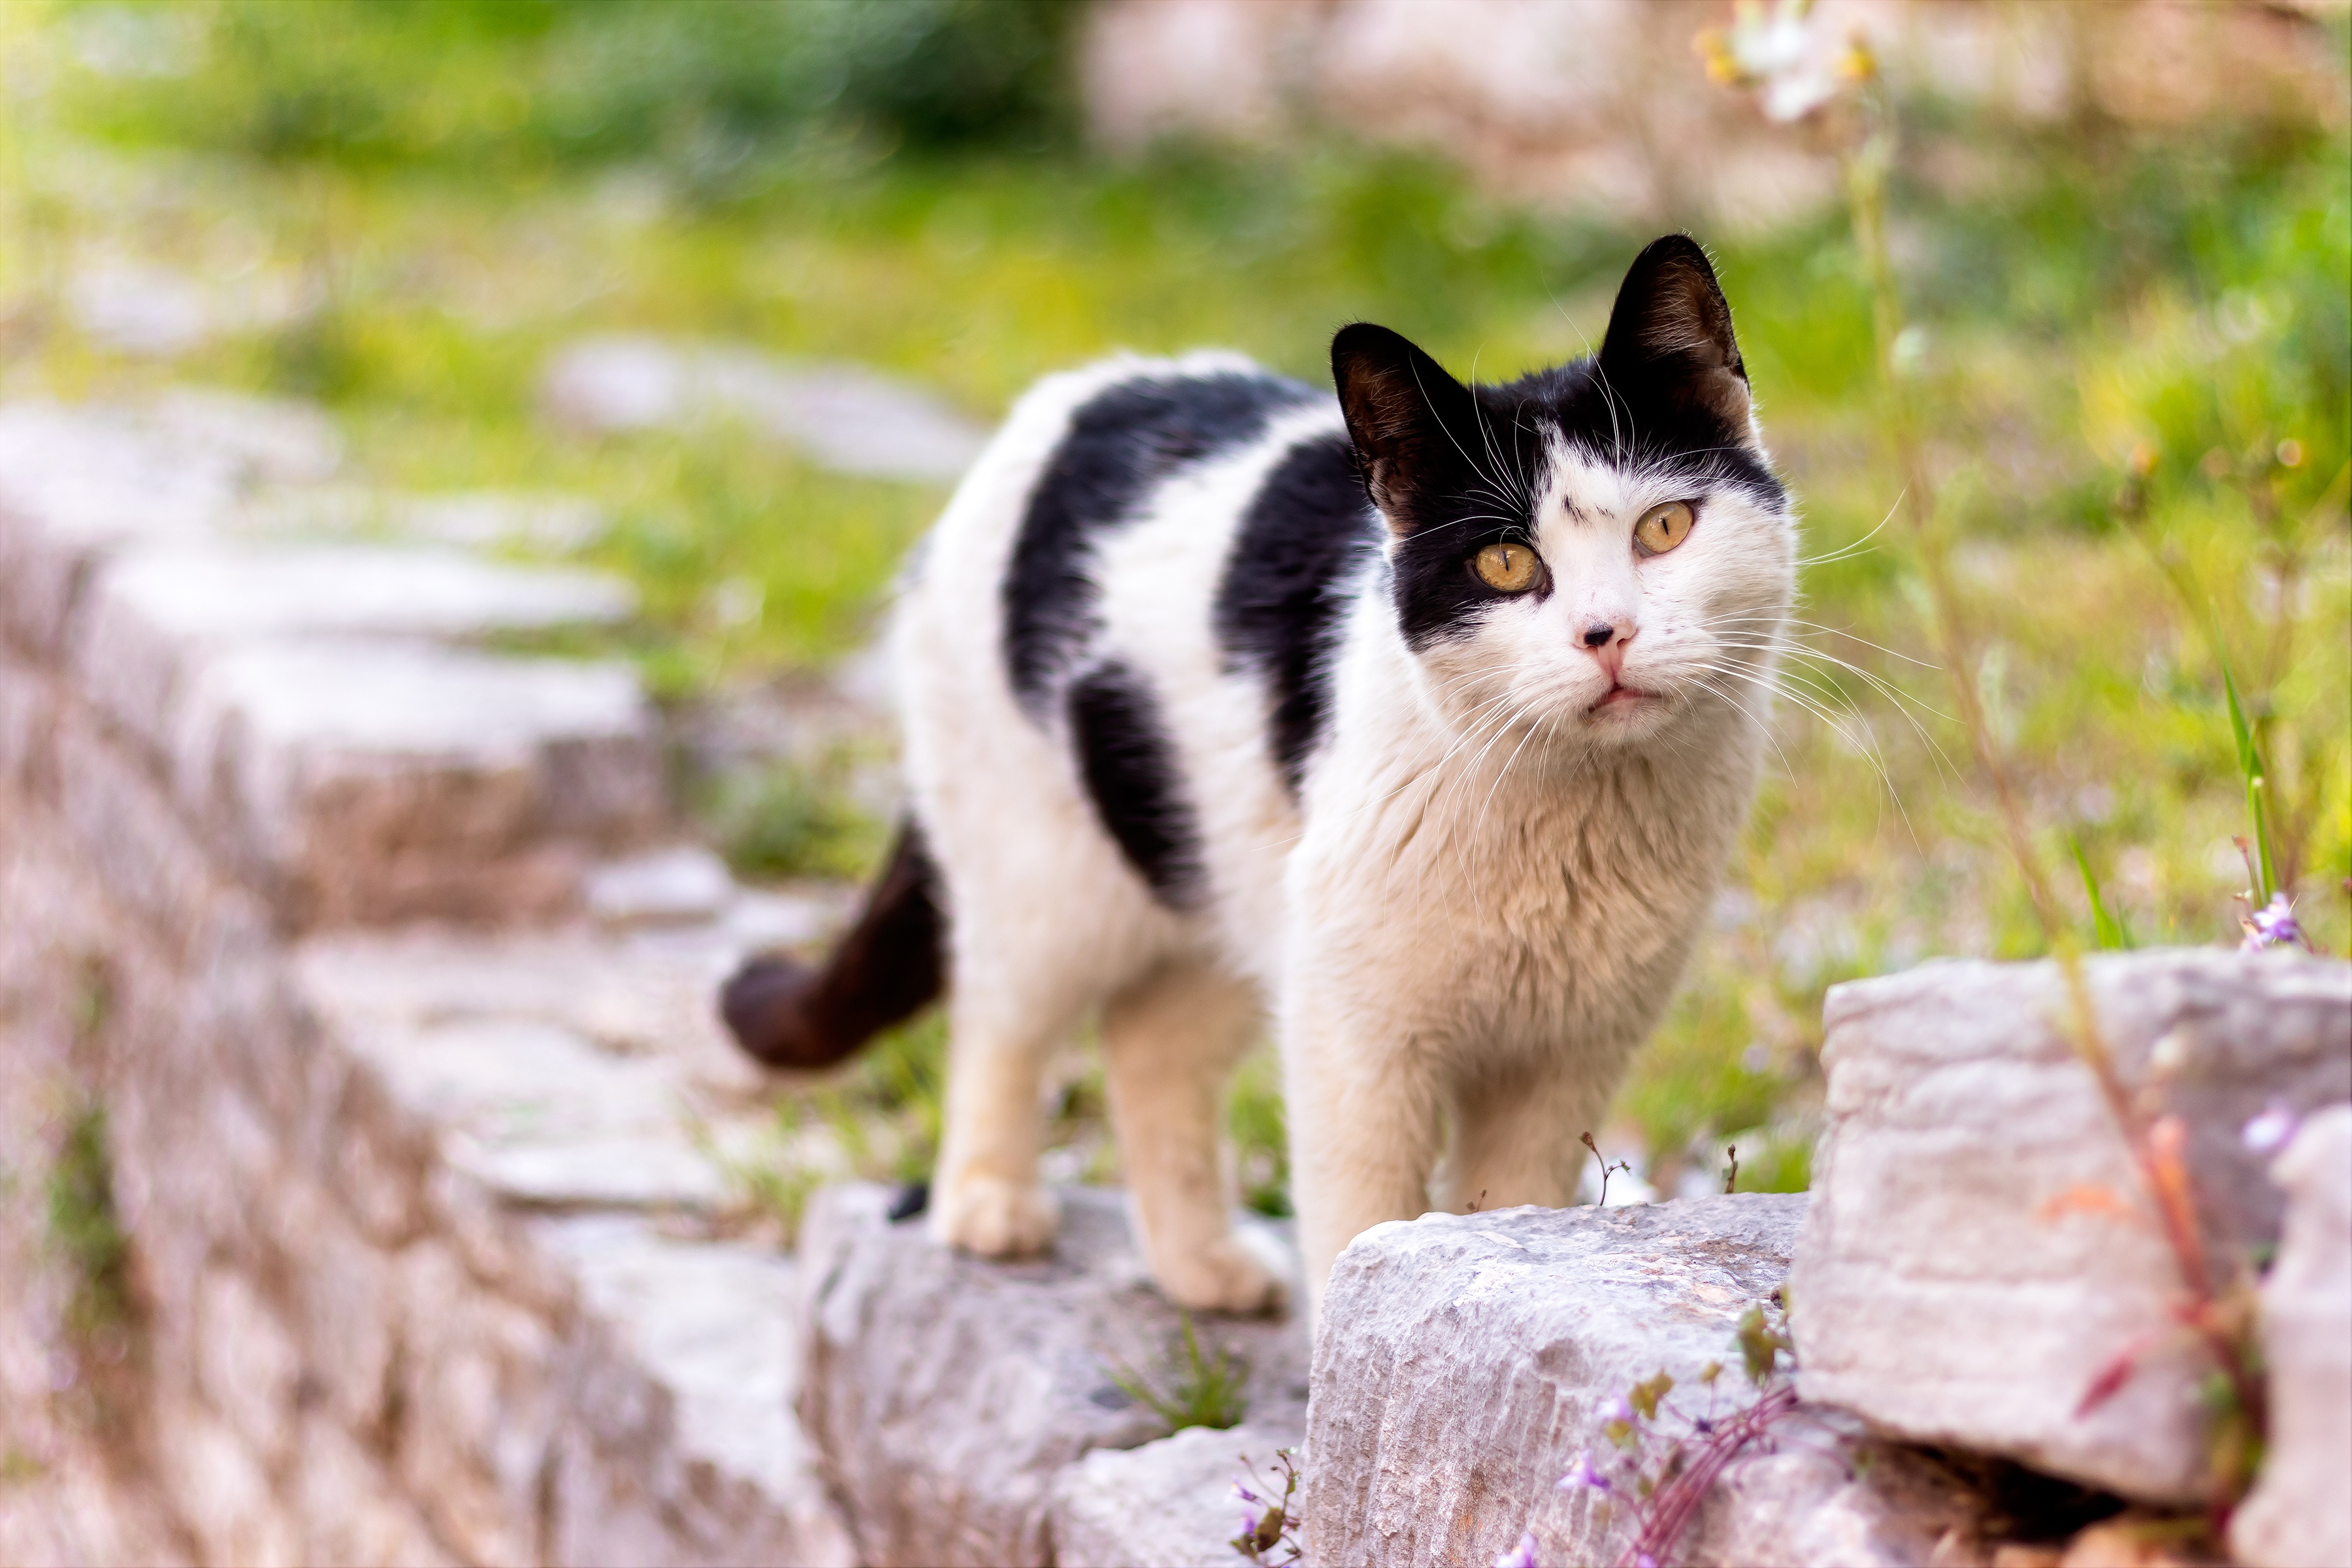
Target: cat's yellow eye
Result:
[[1663, 527], [1506, 568]]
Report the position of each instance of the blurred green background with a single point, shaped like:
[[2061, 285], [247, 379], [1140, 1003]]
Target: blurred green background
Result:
[[2131, 340]]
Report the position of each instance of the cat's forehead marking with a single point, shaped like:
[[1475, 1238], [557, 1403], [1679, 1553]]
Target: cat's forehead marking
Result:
[[1583, 489]]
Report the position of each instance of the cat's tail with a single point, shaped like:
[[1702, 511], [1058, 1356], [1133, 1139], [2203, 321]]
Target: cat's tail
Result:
[[889, 966]]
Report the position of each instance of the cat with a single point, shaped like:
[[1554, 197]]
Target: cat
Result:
[[1422, 721]]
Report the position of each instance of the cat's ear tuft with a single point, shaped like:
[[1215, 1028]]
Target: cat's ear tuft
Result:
[[1670, 336], [1405, 414]]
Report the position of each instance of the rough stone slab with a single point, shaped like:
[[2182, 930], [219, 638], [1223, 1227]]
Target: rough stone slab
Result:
[[2301, 1508], [541, 1115], [546, 522], [79, 483], [1168, 1504], [942, 1393], [686, 1451], [380, 781], [844, 416], [1822, 1494], [1964, 1275], [664, 886], [1465, 1361], [640, 993]]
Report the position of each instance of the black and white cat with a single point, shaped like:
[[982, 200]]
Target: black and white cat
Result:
[[1422, 721]]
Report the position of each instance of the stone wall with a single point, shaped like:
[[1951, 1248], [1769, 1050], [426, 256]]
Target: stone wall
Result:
[[363, 939]]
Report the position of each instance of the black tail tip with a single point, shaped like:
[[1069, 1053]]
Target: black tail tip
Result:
[[765, 1006]]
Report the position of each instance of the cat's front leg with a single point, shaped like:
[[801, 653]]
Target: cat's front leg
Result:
[[1361, 1100]]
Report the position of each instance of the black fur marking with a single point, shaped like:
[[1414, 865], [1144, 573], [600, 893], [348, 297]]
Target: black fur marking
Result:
[[1458, 468], [1121, 443], [1279, 604], [1131, 771]]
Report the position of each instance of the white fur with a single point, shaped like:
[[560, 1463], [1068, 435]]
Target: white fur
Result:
[[1473, 915]]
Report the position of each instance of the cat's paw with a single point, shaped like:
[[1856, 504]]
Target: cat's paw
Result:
[[994, 1218], [1223, 1277]]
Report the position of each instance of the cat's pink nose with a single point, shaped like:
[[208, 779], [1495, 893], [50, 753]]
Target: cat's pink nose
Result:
[[1606, 640]]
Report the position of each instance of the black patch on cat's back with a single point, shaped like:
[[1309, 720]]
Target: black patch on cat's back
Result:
[[1121, 443], [1130, 767], [1279, 602]]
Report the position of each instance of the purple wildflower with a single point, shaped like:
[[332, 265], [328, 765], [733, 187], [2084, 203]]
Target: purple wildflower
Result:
[[1623, 1410], [1645, 1561], [2272, 926], [1246, 1495], [2268, 1132], [1249, 1525], [1582, 1474], [1520, 1556]]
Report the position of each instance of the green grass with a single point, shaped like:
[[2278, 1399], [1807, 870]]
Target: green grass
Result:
[[1191, 1387], [85, 1233], [2124, 337]]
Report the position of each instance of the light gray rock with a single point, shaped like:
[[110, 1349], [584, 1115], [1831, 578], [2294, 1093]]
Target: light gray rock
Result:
[[541, 1115], [685, 1449], [241, 591], [663, 887], [1822, 1494], [75, 483], [844, 416], [1978, 1248], [374, 781], [943, 1392], [1168, 1504], [2300, 1510], [1465, 1361]]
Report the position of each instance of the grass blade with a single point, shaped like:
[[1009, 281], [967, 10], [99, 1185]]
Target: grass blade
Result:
[[2250, 764], [2106, 923]]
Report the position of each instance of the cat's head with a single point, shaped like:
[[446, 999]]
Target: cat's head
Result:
[[1601, 550]]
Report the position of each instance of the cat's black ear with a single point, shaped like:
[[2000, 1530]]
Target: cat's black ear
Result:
[[1408, 419], [1670, 345]]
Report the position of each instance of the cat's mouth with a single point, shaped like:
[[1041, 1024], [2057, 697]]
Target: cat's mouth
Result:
[[1622, 698]]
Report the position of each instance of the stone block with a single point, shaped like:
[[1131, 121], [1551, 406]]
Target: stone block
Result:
[[351, 1514], [1465, 1361], [844, 416], [373, 782], [76, 482], [645, 992], [540, 1115], [247, 1365], [480, 1408], [220, 1494], [1979, 1250], [943, 1392], [684, 1448], [27, 726], [2300, 1510], [156, 613], [1825, 1495], [344, 1309], [1168, 1504], [664, 886]]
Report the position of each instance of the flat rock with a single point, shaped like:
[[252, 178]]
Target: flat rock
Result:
[[1979, 1249], [2300, 1510], [1168, 1504], [944, 1393], [1465, 1361], [541, 1115], [844, 416], [662, 887], [686, 1438]]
